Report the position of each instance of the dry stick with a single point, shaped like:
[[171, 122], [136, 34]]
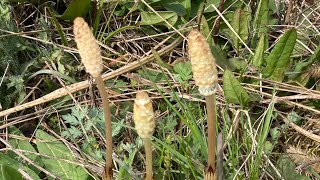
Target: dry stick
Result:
[[217, 25], [289, 10], [200, 13], [108, 130], [84, 84], [148, 151], [211, 112]]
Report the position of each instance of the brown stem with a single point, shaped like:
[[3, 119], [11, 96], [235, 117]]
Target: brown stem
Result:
[[148, 151], [289, 10], [107, 117], [211, 112], [200, 13], [220, 157], [217, 26]]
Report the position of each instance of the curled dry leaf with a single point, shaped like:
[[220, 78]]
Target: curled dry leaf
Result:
[[314, 70], [302, 158]]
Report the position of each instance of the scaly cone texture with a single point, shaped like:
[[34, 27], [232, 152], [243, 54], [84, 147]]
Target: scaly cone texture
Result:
[[143, 115], [88, 47], [91, 58], [203, 63]]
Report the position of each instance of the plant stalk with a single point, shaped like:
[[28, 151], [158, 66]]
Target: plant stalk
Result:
[[211, 112], [148, 151], [108, 130]]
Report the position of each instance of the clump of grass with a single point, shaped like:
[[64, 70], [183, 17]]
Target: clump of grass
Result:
[[91, 58], [205, 75], [143, 117]]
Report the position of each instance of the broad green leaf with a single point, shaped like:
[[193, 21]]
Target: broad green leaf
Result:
[[240, 25], [205, 30], [261, 17], [209, 5], [9, 173], [287, 168], [187, 6], [6, 160], [302, 66], [233, 91], [77, 8], [23, 144], [174, 6], [52, 147], [221, 57], [238, 63], [150, 18], [279, 58], [258, 58]]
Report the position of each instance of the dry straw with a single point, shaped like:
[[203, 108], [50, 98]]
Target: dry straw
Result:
[[205, 75], [143, 116], [91, 58]]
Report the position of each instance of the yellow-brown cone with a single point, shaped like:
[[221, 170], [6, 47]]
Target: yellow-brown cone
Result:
[[143, 115], [88, 48], [203, 63]]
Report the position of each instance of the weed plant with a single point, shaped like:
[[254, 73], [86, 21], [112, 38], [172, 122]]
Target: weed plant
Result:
[[267, 93]]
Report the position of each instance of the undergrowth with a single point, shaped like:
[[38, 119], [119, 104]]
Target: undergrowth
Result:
[[267, 54]]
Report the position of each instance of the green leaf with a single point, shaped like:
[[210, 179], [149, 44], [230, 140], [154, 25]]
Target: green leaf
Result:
[[240, 26], [279, 58], [73, 131], [221, 57], [187, 6], [205, 30], [174, 6], [302, 66], [52, 147], [9, 173], [261, 19], [151, 18], [184, 70], [233, 91], [23, 144], [55, 73], [77, 8], [127, 164], [287, 169], [258, 58], [211, 3], [238, 63], [70, 119], [6, 160]]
